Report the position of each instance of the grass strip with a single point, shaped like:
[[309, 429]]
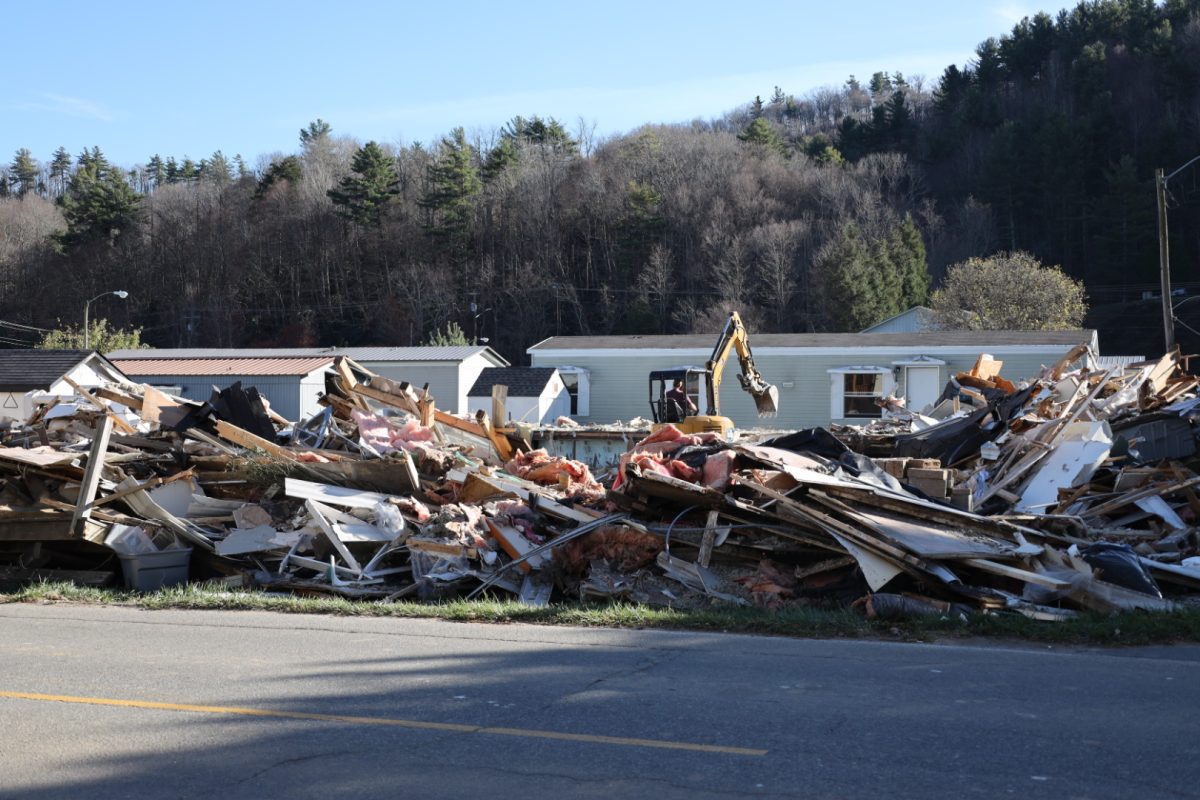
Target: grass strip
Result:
[[1133, 628]]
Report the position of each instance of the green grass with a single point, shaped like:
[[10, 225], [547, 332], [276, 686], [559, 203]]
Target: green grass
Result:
[[1125, 629]]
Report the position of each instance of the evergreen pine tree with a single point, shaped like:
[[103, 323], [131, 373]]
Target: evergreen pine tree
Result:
[[98, 204], [60, 169], [156, 171], [453, 185], [24, 172], [908, 257], [762, 133], [363, 196]]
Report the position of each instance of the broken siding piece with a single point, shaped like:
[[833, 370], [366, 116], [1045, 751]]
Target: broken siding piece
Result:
[[332, 495], [330, 529]]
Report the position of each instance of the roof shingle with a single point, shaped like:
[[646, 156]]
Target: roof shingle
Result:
[[23, 370], [521, 381]]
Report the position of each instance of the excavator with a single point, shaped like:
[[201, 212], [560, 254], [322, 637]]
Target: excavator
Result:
[[667, 410]]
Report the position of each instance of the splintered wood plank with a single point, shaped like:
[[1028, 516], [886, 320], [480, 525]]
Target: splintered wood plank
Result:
[[245, 438], [101, 404], [1009, 571], [91, 476]]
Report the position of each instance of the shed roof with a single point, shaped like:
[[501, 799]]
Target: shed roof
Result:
[[917, 318], [148, 367], [423, 353], [849, 341], [521, 381], [24, 370]]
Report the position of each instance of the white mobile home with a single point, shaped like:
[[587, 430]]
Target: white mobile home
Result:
[[821, 377]]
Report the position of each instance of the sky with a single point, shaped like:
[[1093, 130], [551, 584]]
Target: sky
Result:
[[190, 78]]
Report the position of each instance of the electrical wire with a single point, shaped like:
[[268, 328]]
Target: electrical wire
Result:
[[667, 538], [18, 326]]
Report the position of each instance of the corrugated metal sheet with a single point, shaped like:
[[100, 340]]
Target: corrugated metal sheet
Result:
[[449, 353], [289, 395], [140, 368]]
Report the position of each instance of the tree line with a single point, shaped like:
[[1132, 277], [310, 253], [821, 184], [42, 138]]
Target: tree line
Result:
[[826, 211]]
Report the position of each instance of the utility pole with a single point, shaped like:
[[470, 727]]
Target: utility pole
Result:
[[1164, 255], [1164, 261]]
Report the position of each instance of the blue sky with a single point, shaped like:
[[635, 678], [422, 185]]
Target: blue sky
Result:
[[186, 79]]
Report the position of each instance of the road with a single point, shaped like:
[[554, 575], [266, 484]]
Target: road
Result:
[[102, 702]]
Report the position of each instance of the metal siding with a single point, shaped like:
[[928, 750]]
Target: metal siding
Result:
[[281, 391], [619, 383], [442, 380]]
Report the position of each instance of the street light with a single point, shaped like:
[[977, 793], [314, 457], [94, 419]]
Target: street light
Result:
[[121, 293], [1164, 255], [475, 315]]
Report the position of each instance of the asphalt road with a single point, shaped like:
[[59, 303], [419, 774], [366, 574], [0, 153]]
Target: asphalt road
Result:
[[108, 702]]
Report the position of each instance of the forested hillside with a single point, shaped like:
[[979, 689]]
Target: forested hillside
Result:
[[827, 210]]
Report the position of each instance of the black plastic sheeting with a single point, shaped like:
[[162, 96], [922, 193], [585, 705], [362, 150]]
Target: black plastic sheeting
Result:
[[821, 443], [241, 407], [1156, 437], [1118, 564], [956, 439]]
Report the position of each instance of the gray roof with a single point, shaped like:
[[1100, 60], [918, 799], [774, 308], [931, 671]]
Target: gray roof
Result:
[[363, 354], [917, 318], [24, 370], [521, 381], [849, 341]]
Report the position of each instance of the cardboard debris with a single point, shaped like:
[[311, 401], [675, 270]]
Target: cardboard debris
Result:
[[991, 500]]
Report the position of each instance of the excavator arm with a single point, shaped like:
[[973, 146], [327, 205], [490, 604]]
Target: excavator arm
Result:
[[735, 339]]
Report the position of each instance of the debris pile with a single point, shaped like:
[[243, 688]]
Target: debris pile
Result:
[[1068, 492]]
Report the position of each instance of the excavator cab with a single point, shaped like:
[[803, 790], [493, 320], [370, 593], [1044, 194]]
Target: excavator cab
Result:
[[665, 409]]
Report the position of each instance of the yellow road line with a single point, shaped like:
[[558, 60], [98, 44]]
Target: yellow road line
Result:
[[662, 744]]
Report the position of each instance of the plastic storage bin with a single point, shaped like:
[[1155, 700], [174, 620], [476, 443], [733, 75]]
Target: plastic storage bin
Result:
[[147, 572]]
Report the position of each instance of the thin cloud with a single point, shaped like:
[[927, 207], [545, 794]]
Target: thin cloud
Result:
[[69, 106], [624, 108], [1011, 13]]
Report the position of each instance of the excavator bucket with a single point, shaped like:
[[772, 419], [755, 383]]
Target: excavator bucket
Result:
[[767, 401]]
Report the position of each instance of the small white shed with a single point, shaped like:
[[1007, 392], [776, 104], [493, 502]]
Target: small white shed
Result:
[[27, 373], [535, 394]]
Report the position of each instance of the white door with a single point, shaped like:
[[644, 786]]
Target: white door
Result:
[[922, 385]]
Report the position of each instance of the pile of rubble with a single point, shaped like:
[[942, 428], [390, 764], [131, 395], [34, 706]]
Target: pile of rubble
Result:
[[1067, 492]]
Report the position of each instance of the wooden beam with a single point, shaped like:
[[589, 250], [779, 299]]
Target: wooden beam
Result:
[[709, 538], [101, 404], [499, 403], [244, 438], [1017, 573], [91, 475], [127, 400]]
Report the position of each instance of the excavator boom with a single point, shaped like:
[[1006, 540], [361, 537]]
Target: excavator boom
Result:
[[734, 338]]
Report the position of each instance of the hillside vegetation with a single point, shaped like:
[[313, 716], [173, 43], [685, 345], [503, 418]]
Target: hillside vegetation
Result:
[[828, 210]]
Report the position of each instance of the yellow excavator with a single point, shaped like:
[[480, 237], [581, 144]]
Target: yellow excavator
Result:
[[669, 410]]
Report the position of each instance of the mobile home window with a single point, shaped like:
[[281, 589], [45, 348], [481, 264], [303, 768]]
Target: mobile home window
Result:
[[859, 392], [854, 390]]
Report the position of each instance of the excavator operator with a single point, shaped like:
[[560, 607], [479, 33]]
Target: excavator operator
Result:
[[679, 405]]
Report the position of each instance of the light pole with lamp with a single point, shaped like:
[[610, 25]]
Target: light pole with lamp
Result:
[[1164, 255], [121, 293], [475, 315]]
